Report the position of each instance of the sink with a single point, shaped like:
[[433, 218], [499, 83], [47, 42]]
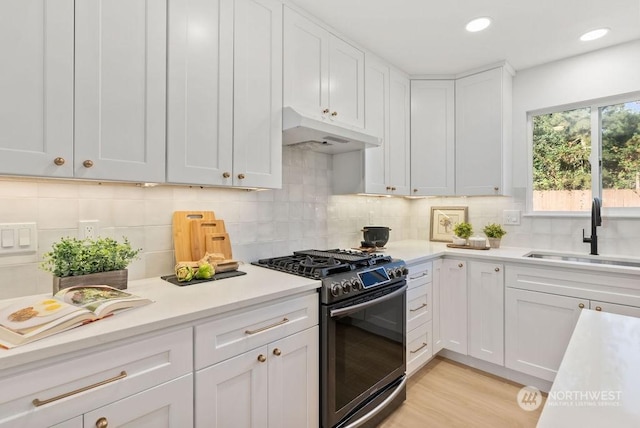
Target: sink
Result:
[[582, 259]]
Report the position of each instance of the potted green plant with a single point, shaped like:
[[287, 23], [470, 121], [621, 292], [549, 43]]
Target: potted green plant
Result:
[[462, 231], [494, 232], [101, 261]]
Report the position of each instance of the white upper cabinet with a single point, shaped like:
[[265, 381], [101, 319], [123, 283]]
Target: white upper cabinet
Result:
[[257, 84], [380, 170], [432, 137], [398, 150], [36, 88], [225, 86], [483, 133], [323, 75], [120, 76], [200, 96]]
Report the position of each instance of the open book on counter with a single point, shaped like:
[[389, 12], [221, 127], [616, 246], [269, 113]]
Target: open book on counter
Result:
[[36, 317]]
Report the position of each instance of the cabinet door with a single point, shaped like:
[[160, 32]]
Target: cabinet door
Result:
[[257, 83], [486, 311], [120, 75], [306, 65], [453, 305], [346, 83], [200, 93], [538, 327], [437, 334], [630, 311], [432, 137], [167, 405], [233, 393], [398, 149], [294, 380], [376, 122], [482, 127], [36, 87]]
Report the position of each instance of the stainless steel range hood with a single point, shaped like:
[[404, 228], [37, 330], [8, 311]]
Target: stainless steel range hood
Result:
[[323, 135]]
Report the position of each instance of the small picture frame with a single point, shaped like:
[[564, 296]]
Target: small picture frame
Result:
[[442, 221]]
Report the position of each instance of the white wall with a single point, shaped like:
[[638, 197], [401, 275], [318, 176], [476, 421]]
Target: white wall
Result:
[[599, 74]]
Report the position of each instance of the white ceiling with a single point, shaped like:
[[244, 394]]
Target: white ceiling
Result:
[[428, 36]]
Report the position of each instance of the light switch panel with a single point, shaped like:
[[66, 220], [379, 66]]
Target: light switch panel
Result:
[[18, 238]]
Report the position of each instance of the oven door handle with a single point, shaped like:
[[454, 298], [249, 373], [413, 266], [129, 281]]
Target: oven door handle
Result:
[[379, 407], [350, 309]]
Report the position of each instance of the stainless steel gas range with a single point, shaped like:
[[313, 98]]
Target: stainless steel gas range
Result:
[[362, 332]]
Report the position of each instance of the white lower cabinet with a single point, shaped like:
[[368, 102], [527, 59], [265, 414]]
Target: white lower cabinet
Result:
[[486, 311], [538, 329], [270, 386], [419, 315], [452, 303], [260, 367], [167, 405], [148, 382]]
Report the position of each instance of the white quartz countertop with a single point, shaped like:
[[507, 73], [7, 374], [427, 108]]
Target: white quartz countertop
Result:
[[173, 305], [415, 251], [598, 382]]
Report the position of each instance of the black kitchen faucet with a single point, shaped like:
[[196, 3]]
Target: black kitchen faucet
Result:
[[596, 220]]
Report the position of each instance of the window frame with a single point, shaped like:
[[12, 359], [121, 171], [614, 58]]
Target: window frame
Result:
[[595, 158]]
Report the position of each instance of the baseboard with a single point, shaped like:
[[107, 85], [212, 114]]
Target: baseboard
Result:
[[500, 371]]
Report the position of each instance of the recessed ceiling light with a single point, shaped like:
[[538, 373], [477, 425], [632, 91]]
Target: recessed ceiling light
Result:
[[478, 24], [594, 34]]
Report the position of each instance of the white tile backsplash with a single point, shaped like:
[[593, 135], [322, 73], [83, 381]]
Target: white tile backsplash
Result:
[[301, 215]]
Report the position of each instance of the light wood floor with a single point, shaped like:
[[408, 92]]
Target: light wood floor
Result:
[[448, 394]]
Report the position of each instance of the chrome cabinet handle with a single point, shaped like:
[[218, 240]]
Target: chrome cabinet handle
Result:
[[275, 324], [424, 344], [418, 308], [425, 273], [37, 402]]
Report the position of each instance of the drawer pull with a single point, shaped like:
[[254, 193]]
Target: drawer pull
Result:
[[258, 330], [424, 344], [418, 308], [581, 305], [36, 402], [425, 273], [102, 423], [598, 308]]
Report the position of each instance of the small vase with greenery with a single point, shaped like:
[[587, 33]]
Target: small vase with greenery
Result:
[[463, 230], [72, 260], [494, 232]]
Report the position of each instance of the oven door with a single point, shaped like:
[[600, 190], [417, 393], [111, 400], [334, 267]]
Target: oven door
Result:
[[362, 352]]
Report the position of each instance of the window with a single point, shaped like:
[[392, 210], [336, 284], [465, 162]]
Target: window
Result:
[[584, 152]]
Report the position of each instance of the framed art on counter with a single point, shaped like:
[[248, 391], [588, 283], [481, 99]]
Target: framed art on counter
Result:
[[442, 221]]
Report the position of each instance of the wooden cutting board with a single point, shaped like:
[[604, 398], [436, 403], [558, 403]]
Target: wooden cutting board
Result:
[[182, 231], [218, 243], [199, 228]]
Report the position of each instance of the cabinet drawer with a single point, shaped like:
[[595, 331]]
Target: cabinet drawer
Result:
[[147, 363], [419, 347], [630, 311], [418, 306], [234, 334], [419, 274]]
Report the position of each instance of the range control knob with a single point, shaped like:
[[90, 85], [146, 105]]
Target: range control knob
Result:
[[356, 284], [336, 290], [405, 271], [346, 286]]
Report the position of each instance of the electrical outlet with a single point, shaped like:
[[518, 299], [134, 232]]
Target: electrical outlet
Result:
[[87, 229], [511, 217]]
